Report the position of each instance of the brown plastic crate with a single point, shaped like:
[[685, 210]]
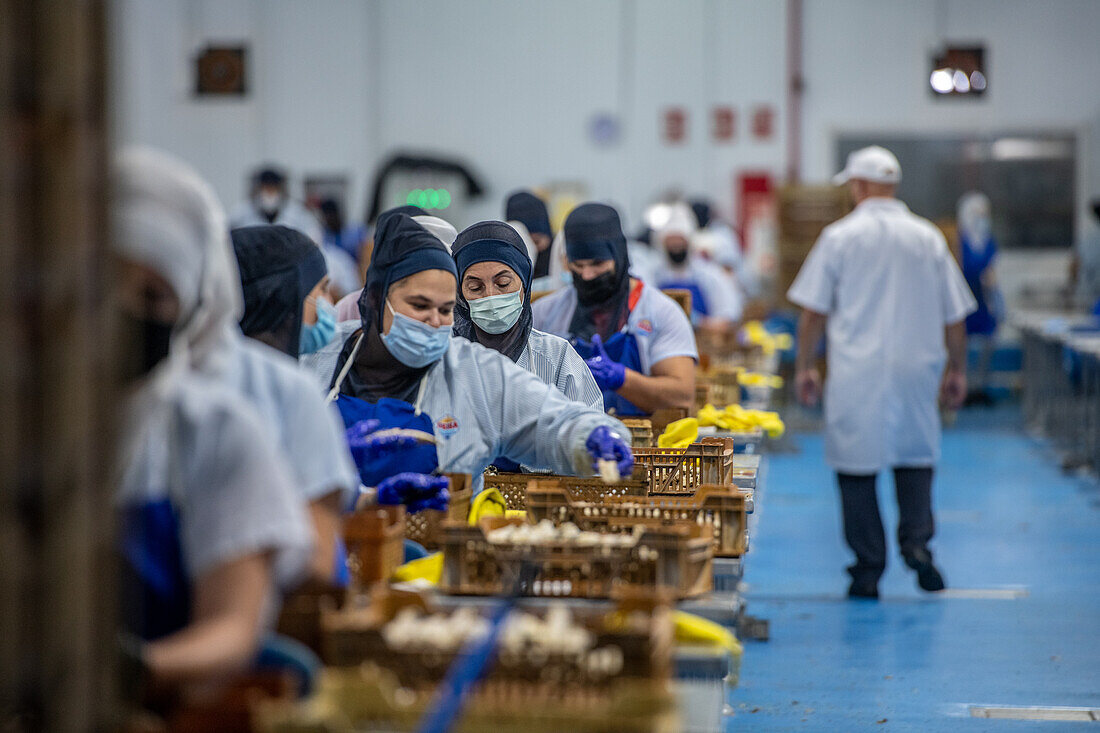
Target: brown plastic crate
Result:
[[674, 559], [513, 486], [725, 385], [423, 527], [724, 509], [684, 470], [353, 635], [375, 538], [641, 431]]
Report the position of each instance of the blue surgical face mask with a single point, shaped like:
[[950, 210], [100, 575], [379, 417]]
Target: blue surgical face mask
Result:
[[415, 343], [497, 313], [315, 336]]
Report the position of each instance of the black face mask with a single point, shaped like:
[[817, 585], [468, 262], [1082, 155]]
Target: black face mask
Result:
[[155, 338], [599, 289], [678, 258]]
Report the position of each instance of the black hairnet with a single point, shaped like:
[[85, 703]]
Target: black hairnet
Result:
[[279, 267], [526, 207]]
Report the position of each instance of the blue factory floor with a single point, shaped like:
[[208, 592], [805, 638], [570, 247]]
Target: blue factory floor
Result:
[[1019, 545]]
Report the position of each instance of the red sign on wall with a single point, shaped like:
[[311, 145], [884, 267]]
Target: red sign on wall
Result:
[[674, 127], [763, 122], [723, 125]]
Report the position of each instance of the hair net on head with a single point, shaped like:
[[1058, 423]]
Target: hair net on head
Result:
[[167, 218], [973, 216], [401, 248], [681, 222], [279, 268], [521, 230], [528, 208], [439, 228]]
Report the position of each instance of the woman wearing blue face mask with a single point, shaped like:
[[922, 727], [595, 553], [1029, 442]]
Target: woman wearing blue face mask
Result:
[[400, 366], [494, 310]]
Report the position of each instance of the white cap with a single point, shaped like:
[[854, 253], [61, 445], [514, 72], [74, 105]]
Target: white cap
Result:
[[439, 228], [874, 163]]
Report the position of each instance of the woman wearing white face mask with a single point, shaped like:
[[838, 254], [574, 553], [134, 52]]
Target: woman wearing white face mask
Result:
[[494, 310], [400, 367]]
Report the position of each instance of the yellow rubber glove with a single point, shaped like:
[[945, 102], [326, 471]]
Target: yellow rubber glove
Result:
[[679, 434], [709, 415], [489, 503], [429, 568]]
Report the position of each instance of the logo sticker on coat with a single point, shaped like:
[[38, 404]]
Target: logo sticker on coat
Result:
[[447, 426], [645, 325]]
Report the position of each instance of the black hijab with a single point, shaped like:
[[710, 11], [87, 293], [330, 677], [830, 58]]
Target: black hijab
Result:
[[493, 241], [279, 267], [401, 248], [594, 232]]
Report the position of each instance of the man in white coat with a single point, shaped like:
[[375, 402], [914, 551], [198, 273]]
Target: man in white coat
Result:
[[885, 287]]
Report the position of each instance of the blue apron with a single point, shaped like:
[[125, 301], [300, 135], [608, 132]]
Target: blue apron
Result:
[[390, 413], [156, 592], [698, 302], [623, 348]]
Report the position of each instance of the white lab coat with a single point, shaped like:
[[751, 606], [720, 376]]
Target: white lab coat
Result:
[[293, 215], [889, 285], [484, 406]]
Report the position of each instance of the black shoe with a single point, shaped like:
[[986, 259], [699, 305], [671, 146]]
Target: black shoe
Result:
[[928, 577], [863, 590]]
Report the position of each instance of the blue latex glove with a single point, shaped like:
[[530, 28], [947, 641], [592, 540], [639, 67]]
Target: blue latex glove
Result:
[[416, 491], [366, 448], [602, 444], [608, 373]]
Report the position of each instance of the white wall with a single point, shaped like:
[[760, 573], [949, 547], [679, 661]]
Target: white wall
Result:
[[511, 85]]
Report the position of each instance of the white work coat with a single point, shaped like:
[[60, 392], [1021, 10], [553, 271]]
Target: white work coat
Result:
[[483, 406], [888, 284]]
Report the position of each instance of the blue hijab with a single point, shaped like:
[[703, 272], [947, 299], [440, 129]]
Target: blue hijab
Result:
[[493, 241]]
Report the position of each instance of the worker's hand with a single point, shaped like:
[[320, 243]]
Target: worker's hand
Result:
[[366, 447], [953, 389], [807, 386], [416, 491], [608, 373], [604, 445]]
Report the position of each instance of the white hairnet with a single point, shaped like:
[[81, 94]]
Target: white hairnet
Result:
[[167, 218], [439, 228], [974, 217], [681, 221], [521, 229]]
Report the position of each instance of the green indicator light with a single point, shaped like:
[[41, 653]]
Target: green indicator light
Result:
[[433, 198], [422, 199], [412, 197], [444, 198]]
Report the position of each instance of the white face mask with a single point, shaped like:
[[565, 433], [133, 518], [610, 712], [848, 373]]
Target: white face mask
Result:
[[497, 313], [270, 202]]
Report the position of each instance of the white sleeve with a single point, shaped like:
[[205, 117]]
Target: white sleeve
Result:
[[958, 301], [815, 286], [535, 424], [237, 495], [317, 450], [672, 334], [722, 294], [575, 381]]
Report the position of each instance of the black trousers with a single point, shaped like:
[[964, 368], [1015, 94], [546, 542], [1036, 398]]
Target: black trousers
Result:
[[863, 523]]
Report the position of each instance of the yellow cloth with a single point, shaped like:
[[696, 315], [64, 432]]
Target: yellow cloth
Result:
[[692, 629], [754, 379], [489, 503], [737, 419], [754, 332], [679, 434], [429, 568]]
